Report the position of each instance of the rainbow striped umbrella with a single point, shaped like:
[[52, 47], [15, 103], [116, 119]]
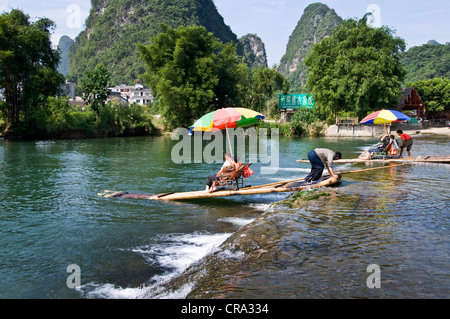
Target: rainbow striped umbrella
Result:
[[225, 118], [385, 117], [230, 117]]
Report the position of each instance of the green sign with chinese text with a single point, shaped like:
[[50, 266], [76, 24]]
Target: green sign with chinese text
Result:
[[296, 101]]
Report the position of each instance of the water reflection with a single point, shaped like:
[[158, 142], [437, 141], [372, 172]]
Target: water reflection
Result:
[[396, 218], [51, 217]]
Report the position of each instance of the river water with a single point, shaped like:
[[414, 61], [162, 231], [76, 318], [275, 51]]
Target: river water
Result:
[[51, 217]]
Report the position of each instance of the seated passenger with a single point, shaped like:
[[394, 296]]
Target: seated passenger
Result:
[[380, 146], [228, 166], [392, 147]]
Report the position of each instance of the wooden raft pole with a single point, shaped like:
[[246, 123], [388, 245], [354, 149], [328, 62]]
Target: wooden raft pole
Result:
[[275, 185], [279, 184]]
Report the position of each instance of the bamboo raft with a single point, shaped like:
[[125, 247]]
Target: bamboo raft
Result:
[[413, 159], [281, 187], [277, 187]]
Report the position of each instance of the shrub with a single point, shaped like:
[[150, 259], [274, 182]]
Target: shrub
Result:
[[285, 129], [119, 120], [302, 119]]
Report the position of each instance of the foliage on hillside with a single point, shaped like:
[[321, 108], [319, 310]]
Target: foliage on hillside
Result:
[[192, 73], [63, 46], [114, 27], [356, 69], [254, 51], [316, 23], [427, 62]]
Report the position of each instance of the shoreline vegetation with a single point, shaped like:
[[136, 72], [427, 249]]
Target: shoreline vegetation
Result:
[[58, 119], [190, 73], [136, 120]]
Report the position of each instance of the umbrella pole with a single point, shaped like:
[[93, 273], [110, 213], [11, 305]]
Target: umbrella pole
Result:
[[228, 138]]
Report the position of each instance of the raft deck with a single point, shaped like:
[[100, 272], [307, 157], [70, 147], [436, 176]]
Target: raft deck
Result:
[[413, 159], [277, 187], [281, 187]]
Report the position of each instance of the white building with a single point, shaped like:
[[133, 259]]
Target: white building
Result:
[[141, 95], [134, 94]]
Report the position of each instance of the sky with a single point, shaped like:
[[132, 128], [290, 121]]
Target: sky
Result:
[[273, 21]]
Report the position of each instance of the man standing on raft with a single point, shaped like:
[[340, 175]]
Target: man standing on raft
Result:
[[318, 159], [407, 142]]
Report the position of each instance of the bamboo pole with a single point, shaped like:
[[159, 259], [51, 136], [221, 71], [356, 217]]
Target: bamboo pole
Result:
[[242, 191], [301, 179], [274, 184], [370, 169]]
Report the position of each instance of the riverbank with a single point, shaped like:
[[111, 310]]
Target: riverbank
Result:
[[444, 131], [60, 120], [377, 130]]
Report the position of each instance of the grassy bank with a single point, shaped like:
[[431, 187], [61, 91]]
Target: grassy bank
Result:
[[295, 128], [58, 119]]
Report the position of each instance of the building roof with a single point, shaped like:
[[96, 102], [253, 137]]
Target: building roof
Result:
[[411, 100]]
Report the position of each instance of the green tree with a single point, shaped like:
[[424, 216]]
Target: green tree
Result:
[[28, 66], [191, 73], [356, 69], [182, 72], [232, 73], [435, 93], [427, 61], [94, 85], [265, 82]]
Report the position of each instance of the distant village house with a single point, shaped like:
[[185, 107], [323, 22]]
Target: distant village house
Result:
[[411, 103], [132, 94], [125, 94]]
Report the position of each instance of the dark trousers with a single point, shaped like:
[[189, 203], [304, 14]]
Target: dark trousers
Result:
[[317, 167], [210, 180]]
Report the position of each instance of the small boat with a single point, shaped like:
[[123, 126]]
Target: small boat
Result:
[[280, 187]]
